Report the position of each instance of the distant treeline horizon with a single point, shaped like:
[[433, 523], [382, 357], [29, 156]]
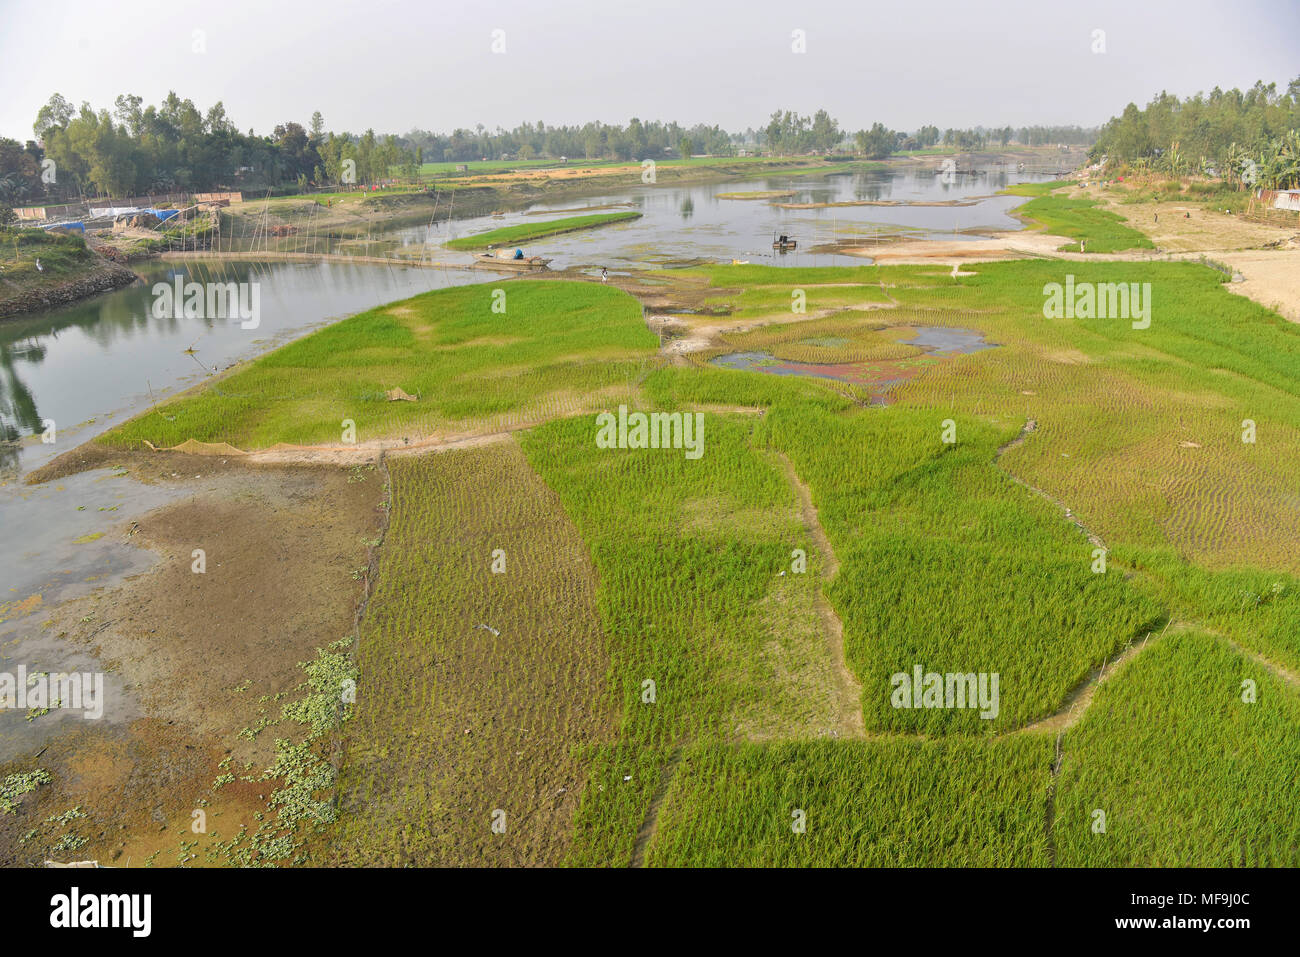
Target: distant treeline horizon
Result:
[[138, 149]]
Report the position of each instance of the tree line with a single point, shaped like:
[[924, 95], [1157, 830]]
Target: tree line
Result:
[[1246, 138], [138, 148]]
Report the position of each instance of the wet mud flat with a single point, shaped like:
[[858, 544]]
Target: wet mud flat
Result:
[[196, 665]]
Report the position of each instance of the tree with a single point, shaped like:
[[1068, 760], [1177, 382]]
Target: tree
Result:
[[825, 133], [20, 172], [685, 147], [56, 113], [876, 143]]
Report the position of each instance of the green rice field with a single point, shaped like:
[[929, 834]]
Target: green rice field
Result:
[[707, 649]]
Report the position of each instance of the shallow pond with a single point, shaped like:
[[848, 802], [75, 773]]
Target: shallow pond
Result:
[[879, 376]]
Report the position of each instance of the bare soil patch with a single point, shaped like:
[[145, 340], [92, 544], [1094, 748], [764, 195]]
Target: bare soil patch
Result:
[[195, 653]]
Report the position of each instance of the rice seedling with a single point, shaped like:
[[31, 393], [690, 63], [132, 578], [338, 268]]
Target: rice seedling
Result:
[[481, 673]]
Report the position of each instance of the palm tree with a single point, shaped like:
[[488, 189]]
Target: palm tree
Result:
[[13, 188]]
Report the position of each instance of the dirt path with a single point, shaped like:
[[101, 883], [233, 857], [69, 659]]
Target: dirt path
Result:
[[651, 823], [1028, 427], [848, 692], [1078, 700], [1282, 673]]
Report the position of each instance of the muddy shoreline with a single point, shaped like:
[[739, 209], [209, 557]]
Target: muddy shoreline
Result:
[[202, 662]]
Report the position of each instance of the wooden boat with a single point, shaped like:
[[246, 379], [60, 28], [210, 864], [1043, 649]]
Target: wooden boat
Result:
[[784, 244], [509, 263]]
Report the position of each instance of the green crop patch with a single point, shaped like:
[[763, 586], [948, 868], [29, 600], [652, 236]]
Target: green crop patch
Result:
[[1185, 758], [951, 568], [471, 624], [889, 803], [1079, 219], [525, 232]]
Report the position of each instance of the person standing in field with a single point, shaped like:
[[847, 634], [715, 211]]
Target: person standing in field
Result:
[[604, 274]]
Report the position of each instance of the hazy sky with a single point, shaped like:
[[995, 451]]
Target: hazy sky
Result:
[[397, 65]]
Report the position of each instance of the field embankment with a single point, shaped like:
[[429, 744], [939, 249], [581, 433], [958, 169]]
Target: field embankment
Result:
[[41, 269]]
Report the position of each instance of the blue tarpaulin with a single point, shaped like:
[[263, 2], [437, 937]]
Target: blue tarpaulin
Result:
[[80, 226]]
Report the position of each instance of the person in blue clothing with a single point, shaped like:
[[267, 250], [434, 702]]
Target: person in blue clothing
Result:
[[519, 253]]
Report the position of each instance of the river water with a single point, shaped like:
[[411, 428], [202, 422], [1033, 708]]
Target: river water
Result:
[[681, 224]]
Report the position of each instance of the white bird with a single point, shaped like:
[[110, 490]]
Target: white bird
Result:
[[39, 267], [954, 272], [489, 628]]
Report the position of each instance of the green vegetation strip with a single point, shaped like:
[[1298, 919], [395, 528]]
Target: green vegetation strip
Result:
[[510, 235], [1080, 219], [1035, 189]]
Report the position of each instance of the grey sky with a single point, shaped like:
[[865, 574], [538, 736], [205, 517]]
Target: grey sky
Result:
[[396, 65]]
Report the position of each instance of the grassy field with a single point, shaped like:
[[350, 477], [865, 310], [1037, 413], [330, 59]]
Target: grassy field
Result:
[[1035, 189], [62, 256], [556, 349], [511, 235], [710, 663], [1081, 219]]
